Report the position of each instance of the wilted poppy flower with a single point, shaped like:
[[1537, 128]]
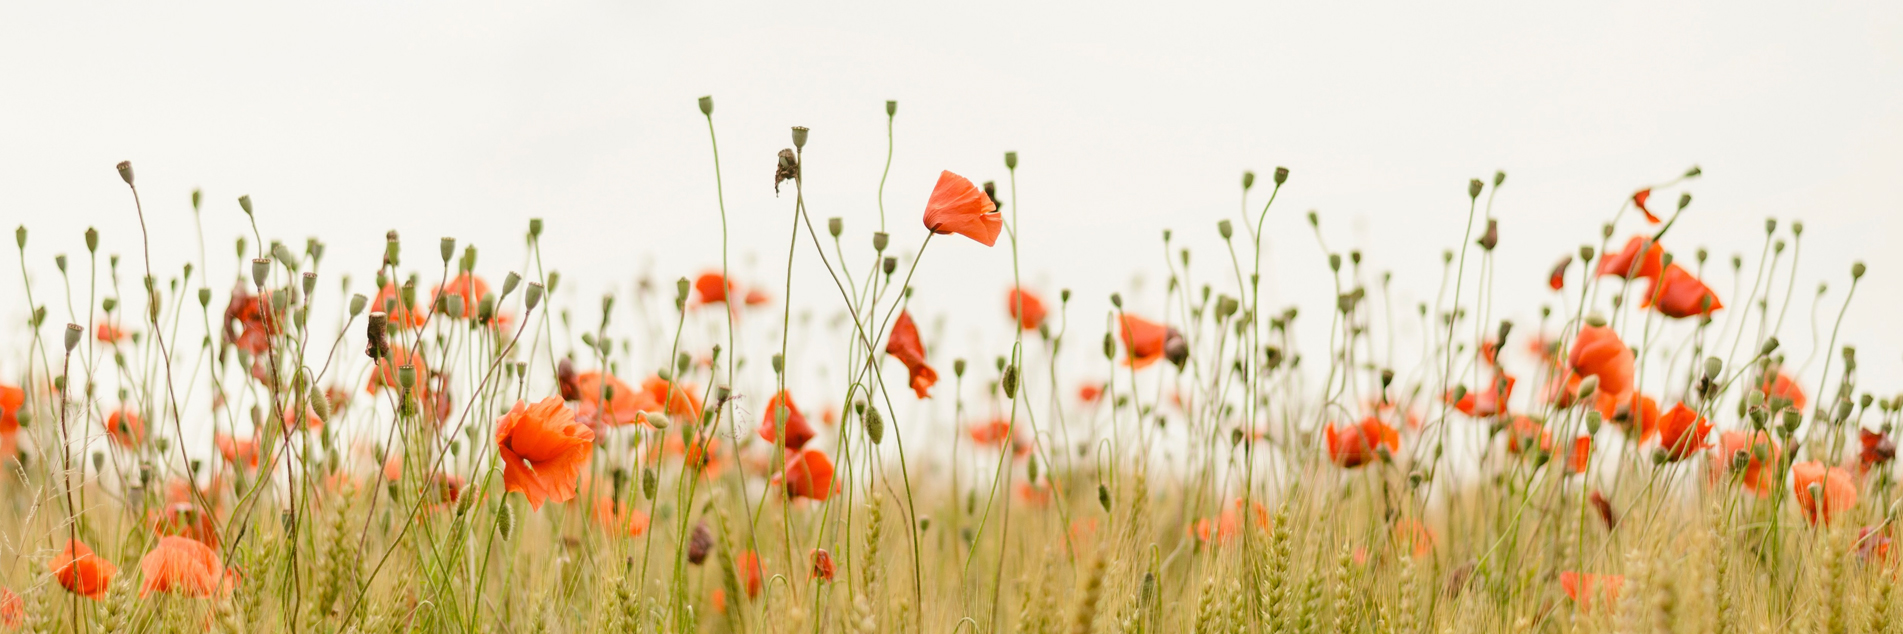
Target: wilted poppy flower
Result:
[[543, 450], [905, 346], [1780, 385], [81, 572], [798, 433], [1557, 278], [466, 289], [1683, 433], [1143, 340], [1354, 445], [1487, 402], [1033, 313], [1759, 475], [1635, 413], [751, 573], [12, 609], [1678, 293], [1836, 492], [125, 428], [699, 543], [1599, 352], [957, 206], [1877, 449], [1639, 199], [619, 516], [181, 566], [996, 433], [809, 474], [822, 565], [1603, 507], [1582, 588], [1626, 263], [248, 312], [400, 314]]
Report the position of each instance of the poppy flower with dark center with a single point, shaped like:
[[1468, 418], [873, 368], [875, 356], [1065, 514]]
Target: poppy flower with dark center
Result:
[[543, 450], [905, 346], [957, 206], [1627, 263], [81, 571], [1599, 352], [1143, 340], [809, 474], [1639, 198], [181, 566], [1683, 433], [1761, 454], [1822, 492], [1677, 293], [1032, 312], [1354, 445], [798, 433]]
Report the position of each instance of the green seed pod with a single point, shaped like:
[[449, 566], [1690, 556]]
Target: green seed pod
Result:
[[1248, 180], [1224, 229], [1473, 188], [357, 303], [835, 225], [533, 296], [1010, 160], [260, 271], [875, 425], [707, 105], [73, 332], [1281, 176], [879, 241]]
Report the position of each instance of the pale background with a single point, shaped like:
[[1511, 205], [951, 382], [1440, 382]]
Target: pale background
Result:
[[467, 119]]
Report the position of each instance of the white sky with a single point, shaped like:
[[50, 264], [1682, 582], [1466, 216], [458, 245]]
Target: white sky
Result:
[[466, 119]]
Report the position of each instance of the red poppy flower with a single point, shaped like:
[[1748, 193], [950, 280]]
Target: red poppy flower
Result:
[[125, 428], [1781, 385], [1354, 445], [1760, 475], [1599, 352], [1877, 449], [1581, 588], [822, 565], [619, 517], [12, 609], [81, 572], [466, 289], [108, 333], [905, 346], [185, 519], [1228, 524], [750, 571], [1557, 278], [11, 400], [1638, 200], [1581, 455], [1836, 494], [685, 405], [543, 450], [1635, 413], [1626, 263], [1142, 340], [1873, 543], [797, 431], [1033, 313], [1089, 392], [180, 565], [1677, 293], [1414, 537], [1525, 434], [710, 288], [1488, 402], [957, 206], [809, 474], [1034, 494], [1563, 390], [1683, 433], [996, 433], [400, 314]]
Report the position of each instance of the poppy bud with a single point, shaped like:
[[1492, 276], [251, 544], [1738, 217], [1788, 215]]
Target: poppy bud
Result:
[[505, 519], [1116, 299], [1770, 225], [1473, 188], [650, 483], [1103, 496], [532, 296], [1491, 237], [1499, 177], [19, 236], [1248, 180], [1281, 176], [799, 137], [1109, 346], [1011, 160], [60, 262], [1856, 270], [1792, 419], [891, 108], [244, 202], [875, 424], [1176, 348], [699, 544], [1596, 320], [92, 240], [1010, 381], [706, 108], [1224, 229], [1588, 386], [835, 225], [1313, 219], [1334, 261], [125, 171], [1770, 344]]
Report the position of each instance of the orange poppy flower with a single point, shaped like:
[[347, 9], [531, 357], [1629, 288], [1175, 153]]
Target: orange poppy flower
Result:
[[1639, 199], [181, 566], [996, 433], [625, 405], [685, 405], [750, 571], [12, 609], [1873, 543], [1581, 455], [1635, 413], [1525, 434], [1599, 352], [1781, 385], [1034, 494], [1580, 588], [1228, 525], [108, 333], [1142, 340], [1877, 449], [1760, 475], [466, 289], [1033, 308], [619, 516], [1678, 293], [798, 433], [957, 206], [543, 450], [125, 428], [1562, 391], [1481, 403], [1838, 491], [905, 346], [823, 568], [1683, 433], [1414, 537], [1089, 392], [809, 474], [185, 520], [81, 572], [400, 314], [1626, 263], [1355, 445], [11, 400], [388, 367]]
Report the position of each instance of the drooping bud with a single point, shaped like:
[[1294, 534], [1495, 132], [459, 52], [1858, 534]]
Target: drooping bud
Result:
[[244, 202]]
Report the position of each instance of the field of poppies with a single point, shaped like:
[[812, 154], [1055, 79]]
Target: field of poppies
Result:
[[449, 448]]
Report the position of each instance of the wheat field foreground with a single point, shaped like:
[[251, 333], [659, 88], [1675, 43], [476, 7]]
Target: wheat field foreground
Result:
[[453, 447]]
